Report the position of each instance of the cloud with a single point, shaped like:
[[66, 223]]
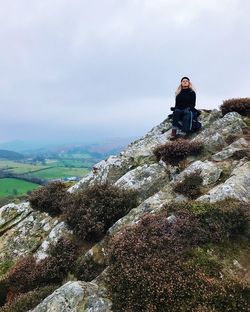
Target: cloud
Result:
[[78, 64]]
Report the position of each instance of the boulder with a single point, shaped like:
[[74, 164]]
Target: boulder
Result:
[[11, 214], [26, 236], [144, 147], [214, 136], [237, 186], [207, 170], [146, 179], [109, 170], [58, 231], [75, 297], [228, 151]]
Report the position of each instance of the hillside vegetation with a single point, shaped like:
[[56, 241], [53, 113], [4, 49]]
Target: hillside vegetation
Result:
[[162, 226]]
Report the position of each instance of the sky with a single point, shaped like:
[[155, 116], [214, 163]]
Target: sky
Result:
[[80, 70]]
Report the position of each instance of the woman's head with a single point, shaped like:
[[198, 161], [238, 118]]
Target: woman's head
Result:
[[185, 83]]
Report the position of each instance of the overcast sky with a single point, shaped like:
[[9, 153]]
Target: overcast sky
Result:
[[73, 70]]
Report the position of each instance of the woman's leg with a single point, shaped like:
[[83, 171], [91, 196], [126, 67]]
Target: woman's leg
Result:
[[186, 121], [177, 116]]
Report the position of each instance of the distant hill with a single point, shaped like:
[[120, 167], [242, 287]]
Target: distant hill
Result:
[[102, 147], [10, 155]]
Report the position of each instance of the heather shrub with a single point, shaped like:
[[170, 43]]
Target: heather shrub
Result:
[[28, 301], [241, 154], [86, 269], [20, 277], [54, 268], [231, 138], [173, 152], [190, 186], [3, 292], [28, 274], [239, 105], [49, 198], [151, 264], [226, 219], [91, 211]]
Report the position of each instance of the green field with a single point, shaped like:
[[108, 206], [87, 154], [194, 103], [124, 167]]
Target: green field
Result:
[[19, 168], [75, 156], [60, 172], [54, 169], [9, 186]]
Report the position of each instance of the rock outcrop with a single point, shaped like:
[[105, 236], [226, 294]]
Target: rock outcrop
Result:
[[24, 231]]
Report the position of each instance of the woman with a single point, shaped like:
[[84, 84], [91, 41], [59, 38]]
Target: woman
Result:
[[184, 103]]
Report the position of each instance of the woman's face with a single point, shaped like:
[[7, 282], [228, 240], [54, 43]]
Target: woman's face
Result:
[[185, 83]]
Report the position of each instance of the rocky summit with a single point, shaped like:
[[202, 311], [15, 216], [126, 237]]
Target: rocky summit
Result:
[[222, 169]]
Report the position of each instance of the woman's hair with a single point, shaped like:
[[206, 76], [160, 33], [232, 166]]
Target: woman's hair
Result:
[[180, 88]]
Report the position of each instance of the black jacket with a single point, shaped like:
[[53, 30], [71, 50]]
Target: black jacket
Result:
[[185, 99]]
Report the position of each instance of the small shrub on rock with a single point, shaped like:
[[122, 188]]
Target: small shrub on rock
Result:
[[241, 154], [92, 211], [49, 198], [150, 267], [173, 152], [55, 267], [86, 269], [28, 274], [20, 277], [239, 105], [190, 186], [231, 138], [28, 301]]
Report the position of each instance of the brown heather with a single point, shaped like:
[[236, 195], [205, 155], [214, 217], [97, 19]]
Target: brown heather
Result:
[[86, 269], [49, 198], [173, 152], [239, 105], [26, 274], [151, 268], [190, 186], [91, 211], [29, 300]]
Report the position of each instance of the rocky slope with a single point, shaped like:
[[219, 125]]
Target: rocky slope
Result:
[[224, 166]]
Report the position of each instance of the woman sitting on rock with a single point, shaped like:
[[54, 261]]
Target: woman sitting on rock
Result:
[[184, 104]]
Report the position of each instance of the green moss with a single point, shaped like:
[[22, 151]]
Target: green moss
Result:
[[5, 265], [247, 121], [218, 258], [143, 160], [225, 174], [203, 258]]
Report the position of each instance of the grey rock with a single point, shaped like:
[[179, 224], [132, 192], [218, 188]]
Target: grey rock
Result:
[[213, 137], [109, 170], [237, 186], [26, 236], [11, 214], [228, 151], [60, 230], [152, 204], [208, 117], [207, 170], [212, 140], [144, 147], [146, 179], [74, 297]]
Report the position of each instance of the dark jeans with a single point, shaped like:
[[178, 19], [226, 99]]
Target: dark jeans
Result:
[[182, 115]]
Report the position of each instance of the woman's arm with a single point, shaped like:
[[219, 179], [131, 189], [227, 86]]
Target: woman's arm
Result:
[[193, 99]]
